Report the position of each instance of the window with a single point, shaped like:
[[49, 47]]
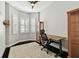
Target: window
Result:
[[27, 24], [33, 25], [22, 25], [15, 24]]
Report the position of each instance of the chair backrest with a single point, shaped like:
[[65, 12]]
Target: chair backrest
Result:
[[43, 35], [44, 38]]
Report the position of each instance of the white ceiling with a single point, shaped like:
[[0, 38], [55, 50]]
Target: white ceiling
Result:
[[26, 6]]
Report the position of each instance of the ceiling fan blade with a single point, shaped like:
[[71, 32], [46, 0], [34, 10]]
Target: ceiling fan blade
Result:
[[34, 2]]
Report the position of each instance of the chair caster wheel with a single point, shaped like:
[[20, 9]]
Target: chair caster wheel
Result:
[[47, 52], [41, 48], [56, 55]]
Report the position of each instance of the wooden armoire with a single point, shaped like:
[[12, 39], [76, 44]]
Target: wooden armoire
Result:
[[73, 33]]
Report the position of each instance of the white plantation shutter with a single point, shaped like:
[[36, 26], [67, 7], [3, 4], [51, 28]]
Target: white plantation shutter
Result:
[[27, 24], [22, 25], [33, 25]]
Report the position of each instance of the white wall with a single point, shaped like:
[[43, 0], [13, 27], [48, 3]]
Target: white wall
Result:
[[2, 28], [55, 17]]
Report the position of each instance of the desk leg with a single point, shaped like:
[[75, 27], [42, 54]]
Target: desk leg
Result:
[[60, 48]]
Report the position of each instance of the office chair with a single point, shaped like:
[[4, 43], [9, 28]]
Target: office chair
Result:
[[44, 40]]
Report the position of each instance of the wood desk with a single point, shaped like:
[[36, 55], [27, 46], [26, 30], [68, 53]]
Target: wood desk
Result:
[[57, 39]]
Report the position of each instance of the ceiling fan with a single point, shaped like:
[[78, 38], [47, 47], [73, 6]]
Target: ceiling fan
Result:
[[33, 3]]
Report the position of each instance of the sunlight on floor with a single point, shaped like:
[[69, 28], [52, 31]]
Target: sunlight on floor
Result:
[[30, 50]]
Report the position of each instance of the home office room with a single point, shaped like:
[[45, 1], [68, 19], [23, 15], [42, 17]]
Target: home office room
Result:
[[39, 29]]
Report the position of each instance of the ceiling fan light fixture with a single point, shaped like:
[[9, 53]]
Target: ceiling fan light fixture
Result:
[[33, 3], [32, 7]]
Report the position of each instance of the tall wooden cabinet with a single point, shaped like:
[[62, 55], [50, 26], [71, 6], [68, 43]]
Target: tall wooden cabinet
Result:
[[73, 33]]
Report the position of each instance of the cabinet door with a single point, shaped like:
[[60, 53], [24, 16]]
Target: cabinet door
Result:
[[74, 35], [75, 51]]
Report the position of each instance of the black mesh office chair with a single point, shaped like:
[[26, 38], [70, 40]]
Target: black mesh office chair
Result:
[[44, 40]]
